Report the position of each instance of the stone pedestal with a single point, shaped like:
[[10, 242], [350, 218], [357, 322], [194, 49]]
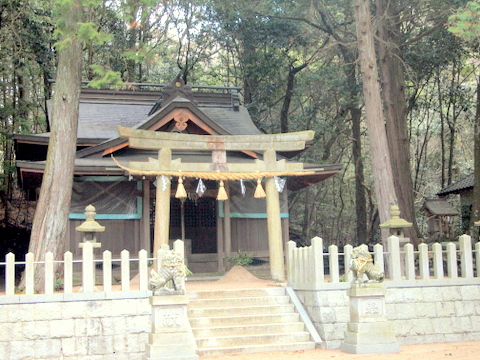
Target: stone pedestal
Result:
[[171, 337], [368, 331]]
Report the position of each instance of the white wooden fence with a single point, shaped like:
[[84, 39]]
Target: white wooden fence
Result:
[[86, 279], [306, 265]]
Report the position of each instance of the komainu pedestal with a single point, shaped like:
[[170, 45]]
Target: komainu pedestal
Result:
[[171, 337], [368, 331]]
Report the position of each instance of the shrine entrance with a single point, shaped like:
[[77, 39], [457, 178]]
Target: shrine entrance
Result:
[[194, 220], [169, 169]]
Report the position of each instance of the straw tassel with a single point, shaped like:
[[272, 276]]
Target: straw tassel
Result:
[[181, 193], [259, 192], [222, 193]]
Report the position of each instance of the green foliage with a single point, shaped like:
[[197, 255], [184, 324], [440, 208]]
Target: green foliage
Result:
[[89, 34], [241, 259], [105, 78], [465, 23], [69, 26], [58, 284]]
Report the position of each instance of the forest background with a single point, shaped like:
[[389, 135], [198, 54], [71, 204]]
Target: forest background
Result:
[[298, 65]]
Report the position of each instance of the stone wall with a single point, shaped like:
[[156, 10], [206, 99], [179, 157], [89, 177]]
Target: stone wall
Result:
[[74, 329], [420, 313]]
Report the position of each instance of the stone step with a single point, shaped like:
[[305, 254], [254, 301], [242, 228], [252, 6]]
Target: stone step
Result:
[[249, 340], [310, 345], [241, 310], [243, 320], [229, 322], [235, 293], [238, 302], [250, 329]]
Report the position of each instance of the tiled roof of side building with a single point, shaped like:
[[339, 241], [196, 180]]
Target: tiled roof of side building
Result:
[[458, 186]]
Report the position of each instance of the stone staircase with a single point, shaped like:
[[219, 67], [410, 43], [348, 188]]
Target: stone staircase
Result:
[[226, 322]]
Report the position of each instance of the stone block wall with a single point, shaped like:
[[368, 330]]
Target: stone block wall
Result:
[[420, 313], [73, 330]]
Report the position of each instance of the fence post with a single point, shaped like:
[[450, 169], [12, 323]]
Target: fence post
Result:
[[317, 252], [477, 258], [107, 271], [87, 267], [291, 278], [423, 263], [143, 269], [160, 255], [68, 273], [333, 263], [409, 262], [347, 257], [466, 260], [125, 266], [10, 274], [438, 272], [49, 275], [394, 267], [179, 247], [302, 264], [378, 256], [29, 274], [452, 261]]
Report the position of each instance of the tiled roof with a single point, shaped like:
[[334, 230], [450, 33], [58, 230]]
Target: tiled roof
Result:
[[439, 207], [100, 120], [458, 186], [101, 112]]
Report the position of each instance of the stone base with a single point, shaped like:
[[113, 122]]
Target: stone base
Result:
[[369, 331], [171, 337], [370, 349]]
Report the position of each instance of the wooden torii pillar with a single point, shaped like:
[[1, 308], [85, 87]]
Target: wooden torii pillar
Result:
[[218, 145]]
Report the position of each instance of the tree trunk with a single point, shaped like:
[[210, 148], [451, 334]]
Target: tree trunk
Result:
[[287, 100], [382, 172], [51, 215], [476, 177], [393, 90], [356, 118]]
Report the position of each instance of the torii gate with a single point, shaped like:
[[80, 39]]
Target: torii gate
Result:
[[219, 169]]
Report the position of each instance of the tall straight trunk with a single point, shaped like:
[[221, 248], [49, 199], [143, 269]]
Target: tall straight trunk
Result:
[[360, 198], [349, 57], [51, 216], [395, 105], [381, 165], [476, 177]]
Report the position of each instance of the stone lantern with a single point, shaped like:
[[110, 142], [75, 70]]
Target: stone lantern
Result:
[[90, 228], [397, 226]]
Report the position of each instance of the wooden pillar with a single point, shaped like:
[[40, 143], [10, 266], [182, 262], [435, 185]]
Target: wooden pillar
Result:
[[145, 226], [227, 226], [274, 226], [220, 242], [162, 205]]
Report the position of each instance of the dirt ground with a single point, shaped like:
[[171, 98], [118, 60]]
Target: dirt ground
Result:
[[456, 351], [238, 278]]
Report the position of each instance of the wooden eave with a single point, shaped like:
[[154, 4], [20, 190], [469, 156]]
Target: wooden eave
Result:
[[43, 139], [322, 172]]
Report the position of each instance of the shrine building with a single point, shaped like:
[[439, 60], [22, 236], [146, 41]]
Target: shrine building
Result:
[[161, 163]]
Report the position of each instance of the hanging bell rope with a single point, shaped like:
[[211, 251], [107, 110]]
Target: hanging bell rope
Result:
[[259, 192], [214, 175], [222, 193]]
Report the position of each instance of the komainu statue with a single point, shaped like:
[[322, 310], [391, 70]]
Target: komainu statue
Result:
[[362, 263], [172, 268]]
